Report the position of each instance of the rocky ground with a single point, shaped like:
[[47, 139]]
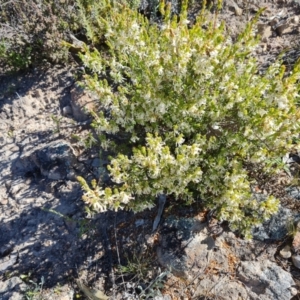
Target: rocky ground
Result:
[[52, 248]]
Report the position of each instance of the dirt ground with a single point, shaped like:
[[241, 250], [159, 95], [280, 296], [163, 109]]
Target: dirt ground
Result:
[[45, 232]]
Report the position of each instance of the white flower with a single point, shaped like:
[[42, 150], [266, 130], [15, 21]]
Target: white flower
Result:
[[142, 43], [186, 21], [283, 102], [148, 96], [213, 53], [135, 26], [215, 127], [161, 108], [226, 78], [229, 105], [125, 198], [179, 140], [160, 70]]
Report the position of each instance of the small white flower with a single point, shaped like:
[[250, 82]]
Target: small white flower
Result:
[[186, 21], [160, 70], [125, 198], [261, 112], [283, 102], [215, 127], [135, 26]]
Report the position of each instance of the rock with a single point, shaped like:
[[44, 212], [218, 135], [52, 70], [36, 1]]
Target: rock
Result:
[[296, 261], [286, 252], [65, 297], [55, 160], [284, 29], [3, 195], [7, 262], [238, 11], [37, 93], [150, 239], [12, 288], [100, 170], [139, 222], [273, 22], [266, 280], [232, 6], [67, 110], [221, 288], [164, 297], [276, 227], [294, 192], [295, 20], [188, 252], [57, 173], [201, 255], [265, 31], [81, 103]]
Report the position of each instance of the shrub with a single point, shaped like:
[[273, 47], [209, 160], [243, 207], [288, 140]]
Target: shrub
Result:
[[195, 110], [32, 30]]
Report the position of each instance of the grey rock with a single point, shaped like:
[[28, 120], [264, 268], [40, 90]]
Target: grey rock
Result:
[[7, 262], [265, 31], [234, 7], [71, 175], [266, 280], [294, 192], [13, 295], [55, 160], [276, 227], [238, 11], [295, 20], [296, 261], [284, 29], [139, 222], [188, 250], [18, 189], [221, 288], [99, 169], [67, 110], [81, 103], [286, 252], [165, 297], [12, 288], [57, 173], [96, 162], [150, 239]]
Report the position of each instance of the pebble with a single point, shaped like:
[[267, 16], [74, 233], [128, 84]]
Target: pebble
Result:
[[296, 261], [283, 29], [286, 252], [67, 110], [139, 222], [295, 20]]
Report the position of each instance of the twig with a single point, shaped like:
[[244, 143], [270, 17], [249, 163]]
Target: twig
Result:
[[117, 248]]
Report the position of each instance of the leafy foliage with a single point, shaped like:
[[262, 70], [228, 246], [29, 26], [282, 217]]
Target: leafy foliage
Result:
[[195, 108]]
